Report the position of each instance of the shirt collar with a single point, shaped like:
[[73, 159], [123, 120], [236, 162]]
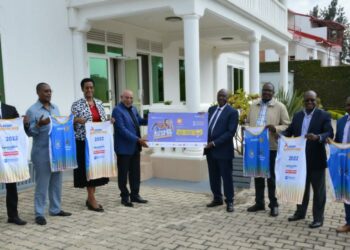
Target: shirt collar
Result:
[[312, 112], [222, 108], [269, 103], [40, 105]]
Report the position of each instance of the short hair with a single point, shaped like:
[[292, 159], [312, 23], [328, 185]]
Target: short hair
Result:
[[40, 85], [85, 80]]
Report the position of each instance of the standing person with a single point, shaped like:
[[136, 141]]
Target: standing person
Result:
[[315, 125], [87, 109], [343, 136], [273, 115], [128, 145], [223, 122], [45, 180], [10, 112]]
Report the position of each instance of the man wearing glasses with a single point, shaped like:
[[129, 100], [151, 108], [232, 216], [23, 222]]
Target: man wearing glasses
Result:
[[315, 125]]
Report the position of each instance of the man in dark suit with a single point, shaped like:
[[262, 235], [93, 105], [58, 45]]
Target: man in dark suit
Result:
[[343, 136], [127, 145], [10, 112], [315, 125], [223, 122]]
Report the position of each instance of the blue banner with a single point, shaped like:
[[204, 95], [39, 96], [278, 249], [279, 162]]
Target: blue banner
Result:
[[256, 152], [177, 129], [339, 164]]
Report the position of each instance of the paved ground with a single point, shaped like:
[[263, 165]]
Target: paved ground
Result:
[[173, 219]]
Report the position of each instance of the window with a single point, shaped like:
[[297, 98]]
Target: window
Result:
[[99, 73], [291, 58], [235, 78], [2, 84], [96, 48], [157, 79], [182, 80]]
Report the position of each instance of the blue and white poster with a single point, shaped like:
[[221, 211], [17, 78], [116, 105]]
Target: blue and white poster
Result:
[[177, 129]]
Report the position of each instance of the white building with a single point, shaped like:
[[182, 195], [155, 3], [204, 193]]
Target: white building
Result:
[[182, 51], [313, 39]]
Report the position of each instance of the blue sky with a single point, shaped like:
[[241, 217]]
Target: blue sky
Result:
[[303, 6]]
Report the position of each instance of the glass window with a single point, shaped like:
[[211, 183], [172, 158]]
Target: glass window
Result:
[[157, 79], [2, 84], [182, 80], [114, 51], [96, 48], [99, 73], [235, 78]]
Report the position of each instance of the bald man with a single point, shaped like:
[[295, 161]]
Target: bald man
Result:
[[128, 145], [315, 125]]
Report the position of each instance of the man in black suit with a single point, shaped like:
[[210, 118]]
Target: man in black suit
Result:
[[223, 122], [315, 125], [10, 112]]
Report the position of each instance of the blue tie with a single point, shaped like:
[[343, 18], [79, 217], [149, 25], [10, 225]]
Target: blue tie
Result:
[[212, 121]]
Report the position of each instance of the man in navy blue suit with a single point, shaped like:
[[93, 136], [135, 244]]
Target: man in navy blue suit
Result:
[[223, 122], [343, 136], [128, 145], [315, 125]]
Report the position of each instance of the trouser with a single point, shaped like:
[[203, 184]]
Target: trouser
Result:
[[220, 169], [129, 166], [11, 200], [47, 182], [315, 178], [347, 213], [271, 185]]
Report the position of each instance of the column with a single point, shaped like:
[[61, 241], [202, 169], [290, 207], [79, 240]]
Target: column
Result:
[[314, 54], [192, 63], [254, 64], [283, 53], [284, 2]]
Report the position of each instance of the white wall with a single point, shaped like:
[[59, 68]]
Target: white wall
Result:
[[275, 79], [36, 46]]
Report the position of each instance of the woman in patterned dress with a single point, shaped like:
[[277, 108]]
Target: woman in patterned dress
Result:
[[87, 109]]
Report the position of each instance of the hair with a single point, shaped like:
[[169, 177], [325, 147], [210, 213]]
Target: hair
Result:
[[85, 80], [40, 85], [270, 83]]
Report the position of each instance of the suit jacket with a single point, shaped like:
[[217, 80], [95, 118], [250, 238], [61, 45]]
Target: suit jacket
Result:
[[8, 111], [223, 132], [320, 124], [125, 132], [340, 129]]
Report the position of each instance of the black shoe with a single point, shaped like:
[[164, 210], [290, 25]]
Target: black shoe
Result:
[[138, 199], [62, 213], [316, 224], [17, 221], [215, 203], [90, 207], [40, 220], [256, 208], [296, 217], [274, 212], [127, 203], [229, 207]]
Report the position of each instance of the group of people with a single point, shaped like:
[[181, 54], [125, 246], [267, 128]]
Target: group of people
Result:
[[127, 143], [312, 123]]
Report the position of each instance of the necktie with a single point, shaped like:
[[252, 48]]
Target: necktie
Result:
[[213, 120]]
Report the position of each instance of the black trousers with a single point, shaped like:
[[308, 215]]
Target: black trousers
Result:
[[11, 200], [220, 169], [316, 178], [129, 166], [271, 185]]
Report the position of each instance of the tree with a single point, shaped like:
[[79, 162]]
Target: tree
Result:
[[336, 13]]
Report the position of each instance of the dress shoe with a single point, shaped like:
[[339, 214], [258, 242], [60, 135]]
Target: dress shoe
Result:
[[17, 221], [316, 224], [229, 207], [274, 211], [296, 217], [138, 199], [40, 220], [97, 209], [256, 208], [127, 203], [343, 229], [215, 203], [62, 213]]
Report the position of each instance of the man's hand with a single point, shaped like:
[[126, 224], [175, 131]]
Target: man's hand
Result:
[[329, 140], [210, 145], [112, 120], [25, 120], [42, 121], [271, 128], [312, 137], [143, 142], [79, 120]]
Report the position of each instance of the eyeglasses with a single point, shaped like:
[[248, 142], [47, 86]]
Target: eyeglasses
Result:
[[309, 100]]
